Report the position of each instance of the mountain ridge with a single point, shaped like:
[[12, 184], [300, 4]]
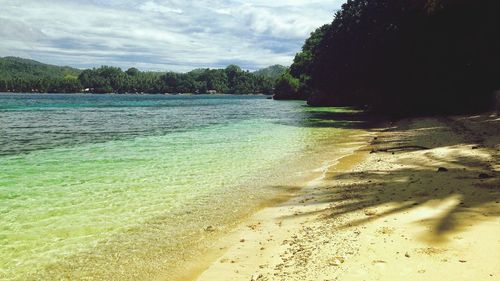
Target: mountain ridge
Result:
[[11, 67]]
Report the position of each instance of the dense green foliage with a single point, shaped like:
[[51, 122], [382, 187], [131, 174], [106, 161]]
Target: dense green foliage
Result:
[[23, 75], [11, 67], [19, 75], [294, 83], [287, 88], [404, 56], [272, 72]]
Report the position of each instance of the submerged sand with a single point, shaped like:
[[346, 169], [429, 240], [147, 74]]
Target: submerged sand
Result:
[[420, 201]]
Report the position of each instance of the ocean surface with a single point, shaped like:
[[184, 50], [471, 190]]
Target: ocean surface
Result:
[[124, 187]]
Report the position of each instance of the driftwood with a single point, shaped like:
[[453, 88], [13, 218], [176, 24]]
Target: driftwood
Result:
[[400, 148]]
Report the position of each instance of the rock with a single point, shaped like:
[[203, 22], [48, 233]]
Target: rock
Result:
[[256, 277], [209, 228], [442, 169], [242, 240], [484, 176], [370, 212], [407, 255], [462, 261], [336, 261]]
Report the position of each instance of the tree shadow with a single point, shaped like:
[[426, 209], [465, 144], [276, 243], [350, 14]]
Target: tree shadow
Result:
[[453, 176], [334, 117]]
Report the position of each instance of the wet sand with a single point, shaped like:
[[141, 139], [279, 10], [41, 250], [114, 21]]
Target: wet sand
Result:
[[420, 201]]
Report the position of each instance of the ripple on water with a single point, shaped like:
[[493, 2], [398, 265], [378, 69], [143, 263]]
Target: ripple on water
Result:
[[124, 192]]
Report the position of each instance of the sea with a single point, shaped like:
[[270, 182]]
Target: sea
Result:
[[131, 187]]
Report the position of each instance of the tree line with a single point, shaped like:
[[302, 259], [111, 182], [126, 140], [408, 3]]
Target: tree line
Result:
[[107, 79], [408, 56]]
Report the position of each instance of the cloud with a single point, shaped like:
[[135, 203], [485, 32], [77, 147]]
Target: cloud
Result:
[[174, 35], [151, 6]]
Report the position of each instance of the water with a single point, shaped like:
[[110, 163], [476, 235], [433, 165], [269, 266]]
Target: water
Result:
[[122, 187]]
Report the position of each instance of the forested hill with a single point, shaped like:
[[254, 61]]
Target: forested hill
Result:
[[408, 56], [273, 72], [22, 75], [11, 67]]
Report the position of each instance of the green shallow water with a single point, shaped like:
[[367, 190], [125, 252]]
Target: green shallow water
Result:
[[122, 187]]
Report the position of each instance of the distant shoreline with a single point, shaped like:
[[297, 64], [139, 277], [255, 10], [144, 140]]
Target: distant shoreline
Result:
[[28, 76], [136, 94]]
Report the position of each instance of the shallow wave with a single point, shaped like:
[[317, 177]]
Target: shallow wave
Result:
[[89, 198]]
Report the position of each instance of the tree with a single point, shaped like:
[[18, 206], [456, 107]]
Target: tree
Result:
[[232, 72], [132, 71], [107, 79], [287, 87], [431, 56], [272, 72]]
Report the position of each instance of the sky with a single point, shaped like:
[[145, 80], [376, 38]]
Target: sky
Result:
[[173, 35]]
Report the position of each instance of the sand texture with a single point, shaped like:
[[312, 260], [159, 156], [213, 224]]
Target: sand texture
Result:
[[420, 201]]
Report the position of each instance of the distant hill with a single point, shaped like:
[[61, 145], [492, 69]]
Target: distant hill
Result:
[[27, 76], [11, 67], [273, 72]]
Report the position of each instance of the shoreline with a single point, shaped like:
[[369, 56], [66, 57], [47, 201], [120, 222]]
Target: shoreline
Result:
[[193, 270], [151, 202], [260, 232], [419, 201]]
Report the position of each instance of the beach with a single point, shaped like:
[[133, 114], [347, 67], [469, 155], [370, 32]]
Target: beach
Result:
[[250, 140], [258, 191], [141, 187], [420, 200]]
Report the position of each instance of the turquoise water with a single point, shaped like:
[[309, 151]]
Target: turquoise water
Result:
[[97, 187]]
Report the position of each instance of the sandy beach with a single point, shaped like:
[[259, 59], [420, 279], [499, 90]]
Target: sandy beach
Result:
[[419, 201]]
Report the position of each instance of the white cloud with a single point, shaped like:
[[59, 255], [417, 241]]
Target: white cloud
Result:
[[151, 6], [161, 35]]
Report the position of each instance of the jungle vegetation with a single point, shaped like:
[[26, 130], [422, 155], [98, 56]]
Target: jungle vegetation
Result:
[[404, 56], [22, 75]]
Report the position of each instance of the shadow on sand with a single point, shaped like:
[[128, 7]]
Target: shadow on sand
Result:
[[450, 166]]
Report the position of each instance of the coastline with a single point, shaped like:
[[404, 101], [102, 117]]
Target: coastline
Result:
[[262, 239], [262, 217], [151, 203], [419, 201]]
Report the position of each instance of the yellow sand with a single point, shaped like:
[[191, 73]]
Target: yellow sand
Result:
[[385, 212]]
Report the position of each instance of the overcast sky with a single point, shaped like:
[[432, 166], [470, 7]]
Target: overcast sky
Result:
[[177, 35]]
